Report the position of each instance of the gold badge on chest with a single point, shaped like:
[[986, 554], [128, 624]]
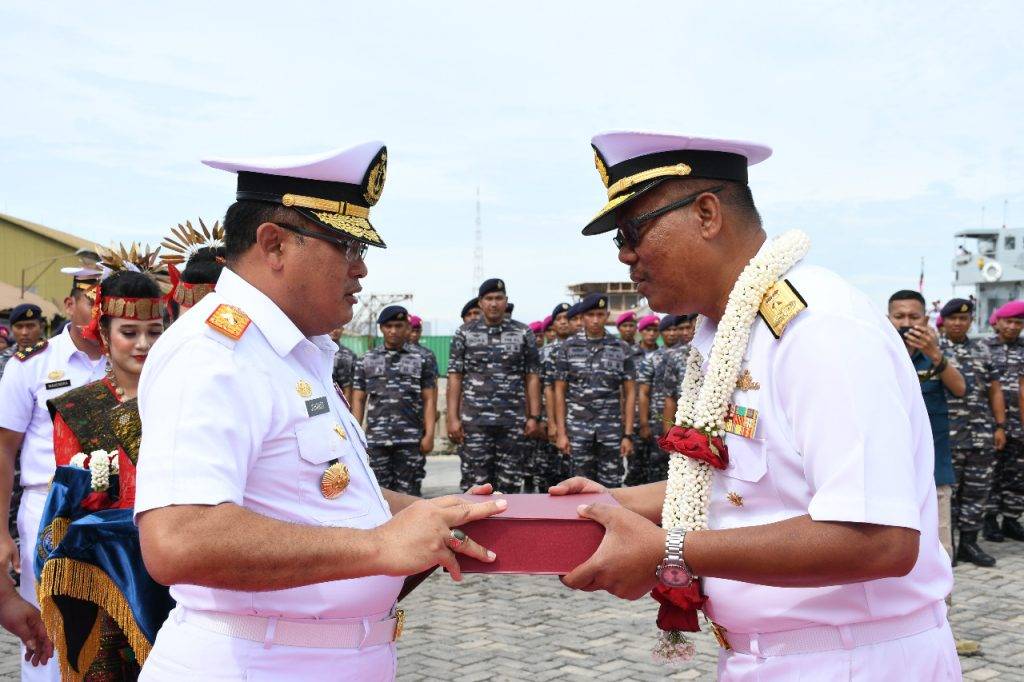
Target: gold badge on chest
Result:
[[780, 304], [303, 388], [335, 480], [746, 382], [55, 374]]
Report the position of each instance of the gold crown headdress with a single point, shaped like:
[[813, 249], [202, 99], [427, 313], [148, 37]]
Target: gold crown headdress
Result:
[[186, 241], [136, 258]]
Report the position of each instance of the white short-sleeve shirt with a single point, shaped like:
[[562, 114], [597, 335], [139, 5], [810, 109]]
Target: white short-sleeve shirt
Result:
[[24, 390], [842, 435], [256, 422]]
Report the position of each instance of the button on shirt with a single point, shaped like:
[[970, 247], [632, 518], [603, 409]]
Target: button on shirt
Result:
[[24, 390], [843, 435], [256, 424]]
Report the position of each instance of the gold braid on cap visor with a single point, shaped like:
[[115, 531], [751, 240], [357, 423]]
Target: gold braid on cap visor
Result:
[[341, 215], [679, 169]]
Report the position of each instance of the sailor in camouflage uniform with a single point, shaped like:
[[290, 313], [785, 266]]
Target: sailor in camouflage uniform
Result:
[[550, 465], [973, 434], [1007, 496], [659, 377], [638, 464], [344, 366], [594, 397], [493, 385], [399, 383]]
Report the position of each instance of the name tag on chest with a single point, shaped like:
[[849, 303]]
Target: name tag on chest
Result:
[[317, 406], [50, 385]]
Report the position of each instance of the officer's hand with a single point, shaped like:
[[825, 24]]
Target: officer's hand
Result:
[[626, 447], [9, 553], [625, 562], [22, 620], [1000, 438], [417, 537], [577, 485], [426, 444], [562, 443], [455, 433], [645, 431], [482, 489]]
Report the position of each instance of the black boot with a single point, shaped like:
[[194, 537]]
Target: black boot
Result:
[[970, 551], [1012, 529], [990, 529]]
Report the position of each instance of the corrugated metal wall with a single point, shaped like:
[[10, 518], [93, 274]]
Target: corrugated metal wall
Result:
[[21, 248], [438, 344]]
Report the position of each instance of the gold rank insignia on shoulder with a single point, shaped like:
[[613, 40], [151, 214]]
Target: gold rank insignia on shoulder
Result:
[[780, 304], [303, 388], [31, 351], [229, 321], [335, 479]]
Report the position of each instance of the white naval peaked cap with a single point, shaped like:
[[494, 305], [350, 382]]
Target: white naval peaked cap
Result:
[[631, 163], [334, 189]]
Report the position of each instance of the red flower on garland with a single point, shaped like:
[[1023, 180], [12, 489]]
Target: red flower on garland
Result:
[[696, 445], [679, 607]]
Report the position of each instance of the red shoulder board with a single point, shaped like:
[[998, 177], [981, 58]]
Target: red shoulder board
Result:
[[26, 353]]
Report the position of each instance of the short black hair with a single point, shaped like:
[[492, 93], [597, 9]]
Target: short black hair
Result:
[[734, 195], [908, 295], [128, 284], [204, 267], [242, 220]]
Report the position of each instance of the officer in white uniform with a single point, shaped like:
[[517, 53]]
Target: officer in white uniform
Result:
[[255, 499], [33, 376], [822, 560]]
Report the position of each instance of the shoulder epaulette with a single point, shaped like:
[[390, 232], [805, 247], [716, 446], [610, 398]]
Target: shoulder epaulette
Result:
[[26, 353], [229, 321], [780, 304]]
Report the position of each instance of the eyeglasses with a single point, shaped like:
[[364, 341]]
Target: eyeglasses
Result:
[[629, 234], [354, 251]]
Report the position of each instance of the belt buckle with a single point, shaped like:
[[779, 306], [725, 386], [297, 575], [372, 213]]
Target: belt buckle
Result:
[[719, 632], [399, 623]]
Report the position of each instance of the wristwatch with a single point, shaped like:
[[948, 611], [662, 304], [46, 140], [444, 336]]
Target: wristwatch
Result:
[[628, 435], [673, 571], [1001, 425]]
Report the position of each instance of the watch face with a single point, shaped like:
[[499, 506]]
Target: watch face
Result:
[[675, 576]]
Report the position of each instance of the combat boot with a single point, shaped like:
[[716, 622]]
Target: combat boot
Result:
[[1012, 529], [990, 529], [970, 551]]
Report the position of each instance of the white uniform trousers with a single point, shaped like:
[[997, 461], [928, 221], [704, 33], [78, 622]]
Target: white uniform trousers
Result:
[[30, 513], [929, 656], [184, 651]]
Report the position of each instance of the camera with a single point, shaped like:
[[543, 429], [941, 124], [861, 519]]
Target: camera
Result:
[[903, 331]]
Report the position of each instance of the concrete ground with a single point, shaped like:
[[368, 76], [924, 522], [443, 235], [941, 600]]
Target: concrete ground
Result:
[[533, 628]]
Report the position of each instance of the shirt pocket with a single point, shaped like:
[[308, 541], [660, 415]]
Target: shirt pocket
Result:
[[748, 458], [319, 445]]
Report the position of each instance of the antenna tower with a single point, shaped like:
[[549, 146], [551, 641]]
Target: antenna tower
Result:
[[478, 247]]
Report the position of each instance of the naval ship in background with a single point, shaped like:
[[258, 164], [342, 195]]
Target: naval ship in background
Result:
[[993, 264]]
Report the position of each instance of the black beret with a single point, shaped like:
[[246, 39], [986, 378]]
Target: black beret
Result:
[[393, 313], [510, 307], [592, 302], [26, 311], [669, 321], [559, 309], [957, 305], [573, 310], [492, 285], [470, 304]]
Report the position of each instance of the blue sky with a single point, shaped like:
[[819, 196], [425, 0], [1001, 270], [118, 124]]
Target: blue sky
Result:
[[893, 123]]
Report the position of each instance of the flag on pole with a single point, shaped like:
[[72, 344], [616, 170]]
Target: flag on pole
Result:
[[920, 280]]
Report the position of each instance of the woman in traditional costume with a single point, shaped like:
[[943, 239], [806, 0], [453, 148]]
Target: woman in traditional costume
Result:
[[194, 262], [100, 606]]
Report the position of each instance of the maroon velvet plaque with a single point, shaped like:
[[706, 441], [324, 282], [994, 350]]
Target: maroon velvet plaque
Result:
[[536, 534]]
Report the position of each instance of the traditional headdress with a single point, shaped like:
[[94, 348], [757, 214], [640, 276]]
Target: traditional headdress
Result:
[[121, 259], [190, 245]]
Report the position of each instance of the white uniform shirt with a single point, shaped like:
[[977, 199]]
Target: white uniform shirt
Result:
[[24, 390], [842, 435], [224, 421]]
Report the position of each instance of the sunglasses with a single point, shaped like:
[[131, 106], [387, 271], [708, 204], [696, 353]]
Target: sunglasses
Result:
[[353, 250], [629, 234]]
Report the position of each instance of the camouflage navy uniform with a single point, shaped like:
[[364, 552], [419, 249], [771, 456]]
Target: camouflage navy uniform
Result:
[[1007, 496], [345, 361], [493, 362], [393, 381], [594, 371], [6, 355], [638, 466], [970, 432], [550, 465], [666, 373]]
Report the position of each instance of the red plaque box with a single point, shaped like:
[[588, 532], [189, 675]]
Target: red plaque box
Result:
[[536, 534]]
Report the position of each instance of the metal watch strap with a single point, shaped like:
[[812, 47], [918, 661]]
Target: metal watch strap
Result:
[[674, 539]]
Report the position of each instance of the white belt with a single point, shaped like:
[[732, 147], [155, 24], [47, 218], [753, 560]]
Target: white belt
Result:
[[834, 637], [349, 633]]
